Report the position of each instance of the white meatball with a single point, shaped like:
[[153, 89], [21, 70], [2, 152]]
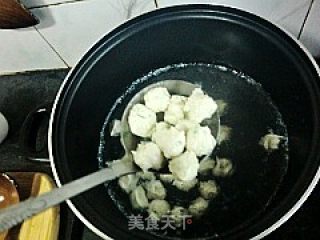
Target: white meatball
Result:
[[206, 166], [224, 134], [128, 182], [148, 155], [141, 120], [185, 185], [160, 126], [170, 140], [138, 198], [185, 167], [158, 209], [155, 190], [199, 106], [271, 141], [166, 178], [198, 207], [222, 107], [209, 189], [200, 141], [174, 112], [157, 99], [223, 167]]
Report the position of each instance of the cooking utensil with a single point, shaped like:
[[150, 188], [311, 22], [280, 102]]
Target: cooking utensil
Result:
[[193, 34], [15, 214]]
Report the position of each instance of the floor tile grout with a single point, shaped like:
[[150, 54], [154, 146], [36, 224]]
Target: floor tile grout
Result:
[[56, 52], [305, 19]]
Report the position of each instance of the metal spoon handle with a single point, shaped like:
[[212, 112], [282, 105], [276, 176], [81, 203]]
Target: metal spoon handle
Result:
[[15, 214]]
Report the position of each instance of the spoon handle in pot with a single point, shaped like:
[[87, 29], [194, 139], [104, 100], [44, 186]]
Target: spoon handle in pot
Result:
[[15, 214]]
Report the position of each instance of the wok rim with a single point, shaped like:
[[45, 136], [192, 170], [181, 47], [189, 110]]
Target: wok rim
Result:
[[187, 7]]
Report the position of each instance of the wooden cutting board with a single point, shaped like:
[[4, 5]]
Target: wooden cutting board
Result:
[[14, 15], [43, 226]]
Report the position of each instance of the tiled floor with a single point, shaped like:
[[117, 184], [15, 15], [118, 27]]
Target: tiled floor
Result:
[[25, 50], [69, 27]]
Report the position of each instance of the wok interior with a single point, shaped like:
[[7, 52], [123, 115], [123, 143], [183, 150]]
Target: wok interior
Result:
[[264, 53]]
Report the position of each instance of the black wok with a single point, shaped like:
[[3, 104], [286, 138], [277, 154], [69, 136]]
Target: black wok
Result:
[[190, 34]]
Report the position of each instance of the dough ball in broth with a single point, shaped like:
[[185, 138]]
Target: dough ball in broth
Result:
[[185, 167], [141, 120], [170, 140], [174, 112], [200, 141], [157, 99], [199, 106], [148, 156]]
